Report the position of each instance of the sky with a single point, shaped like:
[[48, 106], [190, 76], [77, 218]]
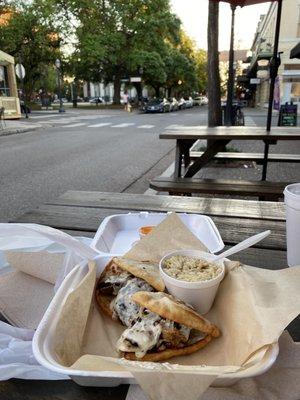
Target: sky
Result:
[[193, 14]]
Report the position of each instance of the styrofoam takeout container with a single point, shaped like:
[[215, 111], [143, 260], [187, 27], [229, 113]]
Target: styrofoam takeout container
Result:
[[117, 233], [199, 294], [43, 343]]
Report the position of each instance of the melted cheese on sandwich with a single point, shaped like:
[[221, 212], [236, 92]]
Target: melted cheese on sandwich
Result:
[[123, 307], [151, 331]]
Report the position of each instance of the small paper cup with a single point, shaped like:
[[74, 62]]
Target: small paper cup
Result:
[[199, 294]]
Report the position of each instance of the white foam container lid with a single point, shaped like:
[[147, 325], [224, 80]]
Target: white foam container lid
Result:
[[43, 343], [117, 233]]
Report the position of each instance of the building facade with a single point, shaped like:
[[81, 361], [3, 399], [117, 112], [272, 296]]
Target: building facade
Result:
[[98, 89], [262, 50], [8, 87]]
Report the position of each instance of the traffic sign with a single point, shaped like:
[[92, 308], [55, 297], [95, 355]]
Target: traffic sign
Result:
[[20, 71], [134, 79], [254, 81]]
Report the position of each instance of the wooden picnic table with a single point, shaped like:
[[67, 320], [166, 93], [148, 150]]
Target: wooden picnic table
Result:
[[80, 213], [218, 138]]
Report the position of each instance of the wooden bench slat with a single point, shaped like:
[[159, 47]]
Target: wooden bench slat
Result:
[[218, 186], [232, 230], [257, 157], [162, 203]]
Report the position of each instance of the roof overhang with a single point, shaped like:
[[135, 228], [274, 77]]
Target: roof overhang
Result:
[[295, 52], [6, 58], [260, 56]]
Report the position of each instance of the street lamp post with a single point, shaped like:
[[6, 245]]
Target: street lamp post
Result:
[[58, 64], [230, 84]]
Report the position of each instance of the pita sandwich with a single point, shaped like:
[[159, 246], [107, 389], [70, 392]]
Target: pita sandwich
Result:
[[120, 279], [165, 328]]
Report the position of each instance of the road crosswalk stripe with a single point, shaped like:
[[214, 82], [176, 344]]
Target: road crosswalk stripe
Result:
[[74, 125], [60, 121], [45, 116], [146, 126], [99, 125], [124, 125], [249, 121]]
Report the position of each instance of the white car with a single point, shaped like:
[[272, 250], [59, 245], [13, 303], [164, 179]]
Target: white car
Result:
[[200, 101], [204, 100]]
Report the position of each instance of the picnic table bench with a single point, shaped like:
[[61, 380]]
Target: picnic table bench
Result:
[[218, 138], [80, 213]]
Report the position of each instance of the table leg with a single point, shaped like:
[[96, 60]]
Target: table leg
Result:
[[213, 149], [178, 160], [265, 162], [182, 150]]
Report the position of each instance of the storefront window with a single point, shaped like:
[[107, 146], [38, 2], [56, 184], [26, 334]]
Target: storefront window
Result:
[[4, 89]]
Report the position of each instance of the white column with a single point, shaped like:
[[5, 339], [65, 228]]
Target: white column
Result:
[[286, 95]]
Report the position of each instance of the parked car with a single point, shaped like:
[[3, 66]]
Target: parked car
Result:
[[96, 100], [204, 101], [181, 104], [57, 101], [189, 102], [173, 104], [197, 101], [200, 101], [158, 105]]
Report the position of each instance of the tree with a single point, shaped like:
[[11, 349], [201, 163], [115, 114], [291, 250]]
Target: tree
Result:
[[115, 38], [30, 33], [201, 70], [213, 74]]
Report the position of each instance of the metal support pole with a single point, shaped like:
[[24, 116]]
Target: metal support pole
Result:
[[61, 107], [74, 86], [22, 85], [274, 65], [230, 84]]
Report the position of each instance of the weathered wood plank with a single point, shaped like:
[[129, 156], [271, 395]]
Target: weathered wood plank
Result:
[[217, 186], [232, 133], [232, 230], [199, 205], [262, 258], [68, 218]]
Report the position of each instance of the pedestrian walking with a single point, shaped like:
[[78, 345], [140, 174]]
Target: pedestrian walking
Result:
[[126, 101]]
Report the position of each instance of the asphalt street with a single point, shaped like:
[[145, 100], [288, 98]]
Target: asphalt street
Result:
[[105, 150]]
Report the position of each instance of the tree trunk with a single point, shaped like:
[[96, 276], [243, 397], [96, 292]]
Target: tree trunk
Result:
[[117, 89], [213, 73], [157, 91]]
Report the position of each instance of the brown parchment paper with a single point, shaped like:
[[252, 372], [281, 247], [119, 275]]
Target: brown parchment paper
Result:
[[252, 308]]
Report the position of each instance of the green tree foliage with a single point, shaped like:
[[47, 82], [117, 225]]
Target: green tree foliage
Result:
[[115, 39], [201, 70], [30, 33]]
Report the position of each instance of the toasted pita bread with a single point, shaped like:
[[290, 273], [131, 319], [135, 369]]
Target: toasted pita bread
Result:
[[103, 300], [169, 353], [170, 308], [147, 271]]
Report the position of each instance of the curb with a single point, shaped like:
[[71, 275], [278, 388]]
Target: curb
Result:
[[16, 131]]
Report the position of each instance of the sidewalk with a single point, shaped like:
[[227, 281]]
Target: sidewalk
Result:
[[11, 127]]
